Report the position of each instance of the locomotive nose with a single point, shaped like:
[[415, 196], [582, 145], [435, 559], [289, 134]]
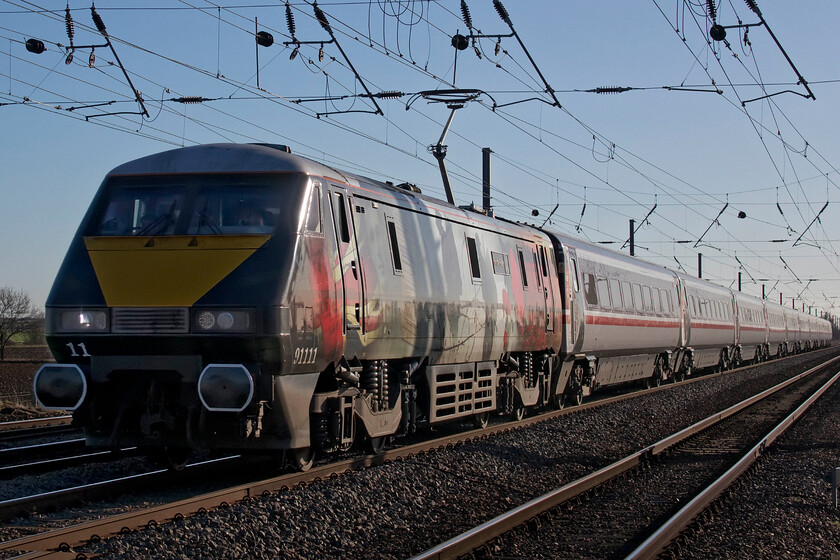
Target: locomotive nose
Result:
[[60, 386], [225, 387]]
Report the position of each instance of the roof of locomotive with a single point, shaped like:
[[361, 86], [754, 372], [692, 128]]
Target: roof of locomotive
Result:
[[227, 158]]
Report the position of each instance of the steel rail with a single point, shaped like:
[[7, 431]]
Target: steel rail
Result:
[[671, 529], [40, 450], [474, 538], [35, 422], [56, 543], [55, 463]]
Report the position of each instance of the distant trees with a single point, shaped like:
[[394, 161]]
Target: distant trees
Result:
[[17, 315]]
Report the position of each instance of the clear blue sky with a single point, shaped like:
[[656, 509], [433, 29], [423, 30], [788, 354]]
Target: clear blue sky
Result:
[[684, 151]]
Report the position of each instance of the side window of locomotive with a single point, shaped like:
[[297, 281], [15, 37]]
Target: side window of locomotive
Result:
[[501, 264], [603, 293], [627, 292], [615, 294], [472, 252], [543, 263], [657, 302], [590, 289], [340, 214], [575, 273], [522, 268], [396, 260], [313, 213], [537, 269], [667, 296]]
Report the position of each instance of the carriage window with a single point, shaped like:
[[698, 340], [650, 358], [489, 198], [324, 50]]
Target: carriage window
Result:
[[603, 293], [395, 246], [590, 289], [637, 298], [657, 303], [522, 268], [646, 297], [627, 292], [667, 296], [473, 254], [575, 274], [615, 293]]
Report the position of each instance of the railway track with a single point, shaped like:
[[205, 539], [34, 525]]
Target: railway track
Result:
[[634, 508], [93, 531], [35, 428]]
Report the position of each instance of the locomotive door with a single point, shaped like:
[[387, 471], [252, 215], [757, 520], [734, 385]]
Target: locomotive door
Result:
[[548, 289], [571, 287], [349, 267]]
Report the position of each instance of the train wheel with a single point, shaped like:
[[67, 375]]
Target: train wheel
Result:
[[576, 398], [518, 413], [558, 401], [302, 458], [375, 445], [481, 420]]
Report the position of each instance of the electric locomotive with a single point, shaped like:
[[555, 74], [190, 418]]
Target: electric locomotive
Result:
[[239, 297]]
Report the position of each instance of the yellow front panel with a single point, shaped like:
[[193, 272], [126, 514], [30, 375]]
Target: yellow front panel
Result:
[[166, 271]]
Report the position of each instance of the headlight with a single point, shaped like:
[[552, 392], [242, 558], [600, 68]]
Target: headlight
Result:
[[82, 320], [223, 321]]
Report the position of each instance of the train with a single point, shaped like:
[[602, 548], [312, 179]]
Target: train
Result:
[[238, 297]]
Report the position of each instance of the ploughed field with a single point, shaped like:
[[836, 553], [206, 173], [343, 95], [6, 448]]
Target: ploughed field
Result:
[[17, 372]]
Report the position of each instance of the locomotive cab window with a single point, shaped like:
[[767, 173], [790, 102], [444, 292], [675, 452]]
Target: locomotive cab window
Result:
[[575, 275], [223, 204], [313, 213]]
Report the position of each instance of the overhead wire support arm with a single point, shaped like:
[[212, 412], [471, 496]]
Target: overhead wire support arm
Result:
[[322, 19], [715, 221], [816, 219], [644, 220], [100, 26], [718, 33], [500, 9]]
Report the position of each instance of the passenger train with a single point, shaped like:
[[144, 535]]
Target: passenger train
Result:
[[240, 297]]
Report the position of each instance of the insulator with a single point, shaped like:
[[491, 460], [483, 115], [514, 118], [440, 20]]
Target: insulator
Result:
[[35, 46], [753, 6], [322, 18], [68, 23], [189, 99], [69, 58], [321, 54], [97, 21], [498, 47], [294, 53], [612, 89], [500, 9], [465, 12], [477, 51], [290, 20], [389, 94], [91, 59], [712, 10], [264, 38]]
